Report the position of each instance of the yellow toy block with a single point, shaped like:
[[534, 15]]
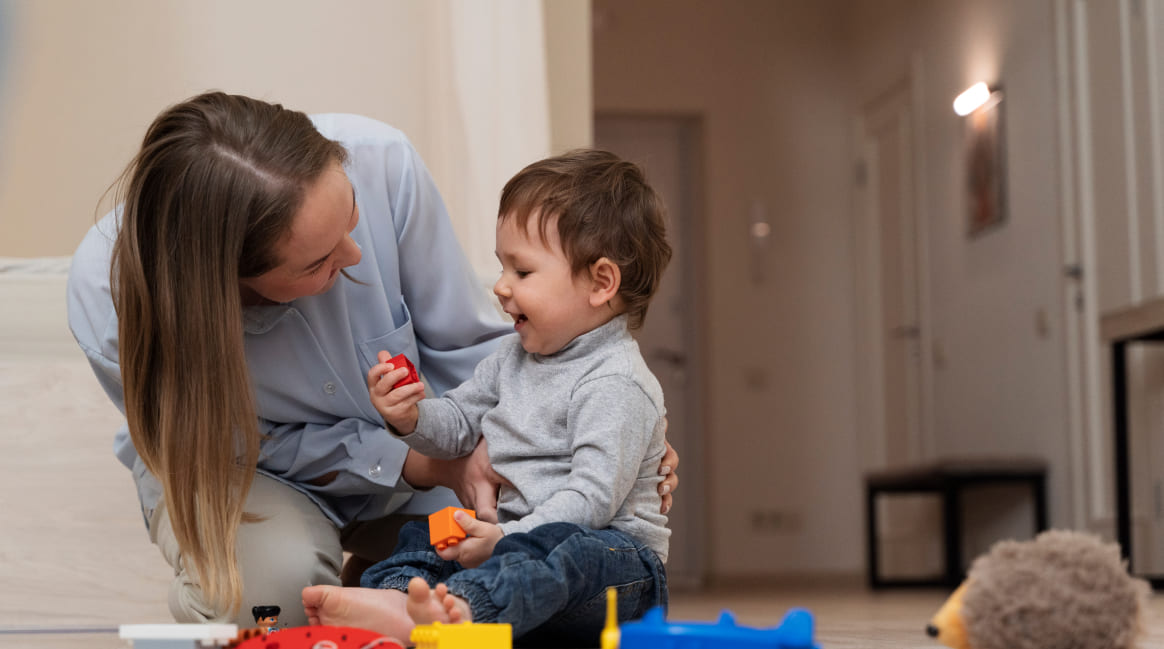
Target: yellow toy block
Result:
[[466, 635]]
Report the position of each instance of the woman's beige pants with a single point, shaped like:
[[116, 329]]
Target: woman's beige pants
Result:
[[295, 545]]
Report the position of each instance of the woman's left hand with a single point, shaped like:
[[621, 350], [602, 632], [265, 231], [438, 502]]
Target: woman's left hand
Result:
[[476, 483], [670, 481]]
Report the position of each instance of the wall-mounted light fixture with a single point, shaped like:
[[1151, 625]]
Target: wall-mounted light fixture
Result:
[[974, 98], [982, 106]]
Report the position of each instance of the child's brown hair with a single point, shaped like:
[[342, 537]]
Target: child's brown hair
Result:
[[604, 208]]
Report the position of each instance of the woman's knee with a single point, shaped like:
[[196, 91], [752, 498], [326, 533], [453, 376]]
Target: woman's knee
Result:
[[293, 545], [274, 572]]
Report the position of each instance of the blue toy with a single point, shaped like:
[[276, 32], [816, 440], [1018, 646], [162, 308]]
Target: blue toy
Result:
[[653, 632]]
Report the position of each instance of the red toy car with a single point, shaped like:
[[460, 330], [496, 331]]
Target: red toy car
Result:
[[316, 637]]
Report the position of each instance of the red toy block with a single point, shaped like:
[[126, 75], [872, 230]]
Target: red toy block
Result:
[[400, 360], [443, 530]]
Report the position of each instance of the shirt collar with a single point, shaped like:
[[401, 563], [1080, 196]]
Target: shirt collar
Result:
[[261, 319]]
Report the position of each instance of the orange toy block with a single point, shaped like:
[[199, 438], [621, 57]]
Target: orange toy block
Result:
[[443, 531]]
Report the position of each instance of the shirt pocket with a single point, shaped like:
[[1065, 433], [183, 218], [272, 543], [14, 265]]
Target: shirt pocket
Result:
[[401, 340]]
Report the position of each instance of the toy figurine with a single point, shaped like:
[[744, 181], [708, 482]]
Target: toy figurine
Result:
[[1062, 590], [267, 617]]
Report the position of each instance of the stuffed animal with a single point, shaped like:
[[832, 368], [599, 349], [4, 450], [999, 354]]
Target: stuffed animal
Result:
[[1062, 590]]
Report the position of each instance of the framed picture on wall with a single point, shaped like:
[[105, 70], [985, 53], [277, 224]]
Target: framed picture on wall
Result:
[[986, 167]]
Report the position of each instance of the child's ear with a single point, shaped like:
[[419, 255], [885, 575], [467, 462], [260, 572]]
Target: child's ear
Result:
[[605, 278]]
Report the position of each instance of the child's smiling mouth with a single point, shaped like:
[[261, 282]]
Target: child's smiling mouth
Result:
[[518, 319]]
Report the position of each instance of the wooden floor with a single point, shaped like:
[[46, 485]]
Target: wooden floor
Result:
[[846, 618], [73, 551]]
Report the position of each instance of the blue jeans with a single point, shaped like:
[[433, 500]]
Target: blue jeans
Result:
[[549, 583]]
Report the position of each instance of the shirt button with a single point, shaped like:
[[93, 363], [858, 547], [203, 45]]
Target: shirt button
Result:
[[329, 387], [374, 471]]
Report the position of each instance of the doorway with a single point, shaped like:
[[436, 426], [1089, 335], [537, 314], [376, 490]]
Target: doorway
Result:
[[667, 148]]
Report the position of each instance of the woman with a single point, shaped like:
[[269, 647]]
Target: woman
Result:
[[211, 306]]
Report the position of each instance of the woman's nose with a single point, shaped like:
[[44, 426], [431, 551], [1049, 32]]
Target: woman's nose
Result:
[[353, 253]]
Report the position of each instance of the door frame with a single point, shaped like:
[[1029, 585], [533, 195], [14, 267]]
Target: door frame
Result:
[[1088, 447]]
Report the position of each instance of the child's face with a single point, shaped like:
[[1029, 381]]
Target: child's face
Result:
[[550, 306]]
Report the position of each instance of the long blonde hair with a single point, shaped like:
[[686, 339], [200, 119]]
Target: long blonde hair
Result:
[[212, 191]]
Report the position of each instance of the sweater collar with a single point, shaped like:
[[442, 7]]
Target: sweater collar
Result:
[[589, 341]]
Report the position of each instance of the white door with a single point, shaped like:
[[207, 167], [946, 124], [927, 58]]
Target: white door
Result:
[[893, 344], [888, 253], [666, 148]]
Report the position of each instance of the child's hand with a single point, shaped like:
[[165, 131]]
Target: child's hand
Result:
[[474, 550], [397, 407]]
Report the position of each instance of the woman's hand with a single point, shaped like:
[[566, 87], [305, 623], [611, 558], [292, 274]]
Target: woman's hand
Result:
[[475, 482], [471, 477], [667, 467]]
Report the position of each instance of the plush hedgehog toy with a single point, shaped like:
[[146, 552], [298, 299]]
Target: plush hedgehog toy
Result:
[[1063, 590]]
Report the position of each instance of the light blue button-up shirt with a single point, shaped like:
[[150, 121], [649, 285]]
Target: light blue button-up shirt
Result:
[[308, 359]]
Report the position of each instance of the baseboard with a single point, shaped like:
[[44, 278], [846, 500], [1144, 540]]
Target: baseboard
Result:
[[798, 581]]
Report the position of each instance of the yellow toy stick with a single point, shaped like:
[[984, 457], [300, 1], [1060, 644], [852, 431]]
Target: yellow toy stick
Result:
[[610, 634]]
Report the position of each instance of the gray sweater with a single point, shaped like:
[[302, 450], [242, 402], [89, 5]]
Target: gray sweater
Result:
[[579, 433]]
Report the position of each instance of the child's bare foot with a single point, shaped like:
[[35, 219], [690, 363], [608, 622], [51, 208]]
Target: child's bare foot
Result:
[[382, 611], [426, 605]]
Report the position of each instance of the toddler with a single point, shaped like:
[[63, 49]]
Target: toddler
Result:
[[573, 418]]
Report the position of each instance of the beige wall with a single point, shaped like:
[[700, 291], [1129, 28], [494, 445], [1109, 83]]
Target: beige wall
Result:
[[568, 64], [778, 86], [771, 82], [998, 316], [84, 79]]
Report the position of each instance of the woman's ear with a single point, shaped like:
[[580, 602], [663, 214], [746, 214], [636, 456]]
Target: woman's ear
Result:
[[605, 280]]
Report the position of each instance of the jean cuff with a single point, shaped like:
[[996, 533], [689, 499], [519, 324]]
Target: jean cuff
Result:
[[477, 596], [396, 582]]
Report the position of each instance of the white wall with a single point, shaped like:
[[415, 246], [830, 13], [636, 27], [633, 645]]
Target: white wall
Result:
[[466, 81]]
